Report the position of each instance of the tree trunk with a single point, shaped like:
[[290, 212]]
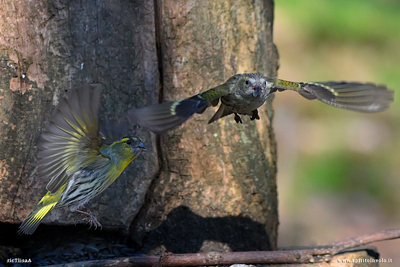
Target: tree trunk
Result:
[[201, 187], [49, 47], [216, 189]]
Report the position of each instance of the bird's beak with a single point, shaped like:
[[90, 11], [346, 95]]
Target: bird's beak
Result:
[[142, 147], [256, 91]]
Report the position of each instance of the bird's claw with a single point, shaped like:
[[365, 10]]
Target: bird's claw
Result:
[[90, 219], [255, 115], [237, 118]]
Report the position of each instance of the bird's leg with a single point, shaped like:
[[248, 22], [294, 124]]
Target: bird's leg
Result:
[[255, 115], [91, 219], [237, 118]]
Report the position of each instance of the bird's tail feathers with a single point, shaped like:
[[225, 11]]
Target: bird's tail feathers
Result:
[[30, 224], [221, 112], [169, 115]]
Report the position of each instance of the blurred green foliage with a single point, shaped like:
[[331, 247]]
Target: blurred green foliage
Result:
[[371, 25], [338, 171], [343, 40], [345, 173], [351, 21]]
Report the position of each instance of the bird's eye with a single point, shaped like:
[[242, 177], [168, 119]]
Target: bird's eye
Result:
[[129, 141], [247, 82]]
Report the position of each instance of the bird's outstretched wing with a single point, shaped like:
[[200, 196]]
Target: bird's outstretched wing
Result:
[[169, 115], [363, 97], [71, 139]]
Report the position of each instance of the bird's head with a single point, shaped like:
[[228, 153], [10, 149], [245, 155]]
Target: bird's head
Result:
[[125, 150], [253, 84]]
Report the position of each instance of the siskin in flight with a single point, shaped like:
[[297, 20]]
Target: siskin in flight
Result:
[[244, 93], [72, 157]]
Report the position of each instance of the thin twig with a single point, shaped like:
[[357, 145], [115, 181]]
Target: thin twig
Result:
[[362, 240], [312, 255]]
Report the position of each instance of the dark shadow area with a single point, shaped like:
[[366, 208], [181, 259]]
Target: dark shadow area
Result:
[[185, 232], [60, 244], [182, 232]]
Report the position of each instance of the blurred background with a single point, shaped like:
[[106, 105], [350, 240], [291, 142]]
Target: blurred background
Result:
[[338, 171]]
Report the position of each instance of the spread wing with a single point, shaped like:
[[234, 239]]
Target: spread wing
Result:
[[71, 139], [364, 97], [169, 115]]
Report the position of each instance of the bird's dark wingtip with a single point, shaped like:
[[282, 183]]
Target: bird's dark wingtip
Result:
[[164, 117]]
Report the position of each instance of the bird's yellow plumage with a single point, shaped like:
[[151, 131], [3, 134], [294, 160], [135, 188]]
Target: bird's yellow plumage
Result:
[[34, 221], [72, 155]]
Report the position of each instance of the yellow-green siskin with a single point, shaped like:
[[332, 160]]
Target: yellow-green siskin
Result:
[[72, 156], [244, 93]]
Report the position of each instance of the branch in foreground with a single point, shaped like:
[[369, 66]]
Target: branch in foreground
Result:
[[212, 258], [251, 257], [362, 240]]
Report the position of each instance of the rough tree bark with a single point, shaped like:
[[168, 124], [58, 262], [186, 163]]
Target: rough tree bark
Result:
[[216, 189], [48, 47], [200, 187]]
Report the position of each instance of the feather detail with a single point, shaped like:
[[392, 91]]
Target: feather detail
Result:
[[169, 115], [363, 97], [73, 130]]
